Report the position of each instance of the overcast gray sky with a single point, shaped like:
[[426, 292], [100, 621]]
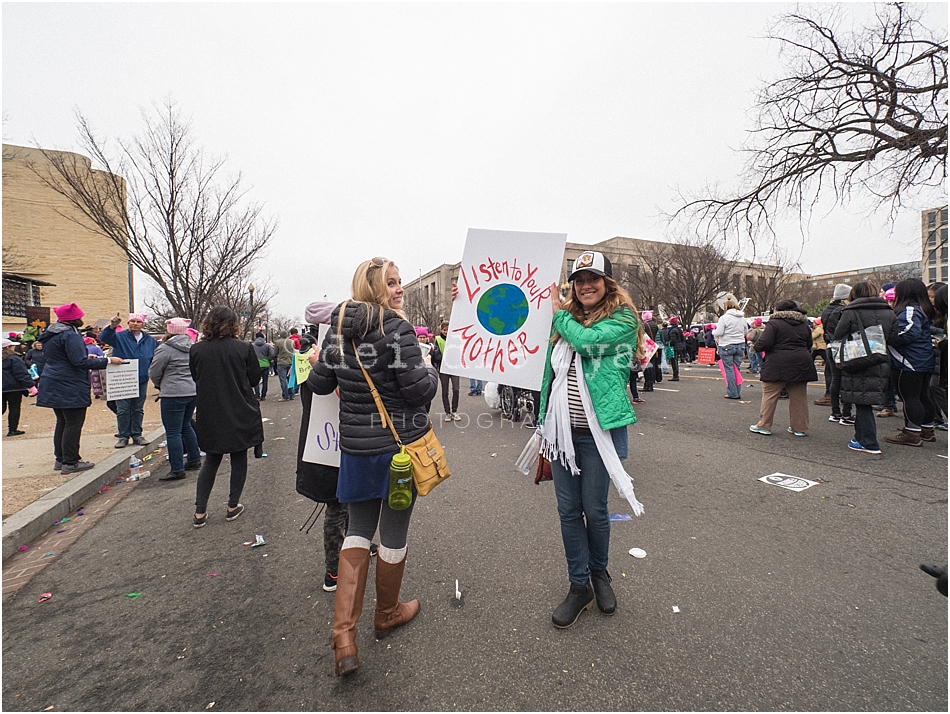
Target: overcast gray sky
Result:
[[391, 129]]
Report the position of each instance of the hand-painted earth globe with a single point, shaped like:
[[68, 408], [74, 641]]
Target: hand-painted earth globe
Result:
[[502, 309]]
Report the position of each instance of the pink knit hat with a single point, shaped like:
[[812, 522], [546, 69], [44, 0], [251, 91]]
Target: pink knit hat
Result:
[[647, 315], [137, 316], [318, 313], [756, 321], [674, 320], [65, 313], [177, 326], [193, 333]]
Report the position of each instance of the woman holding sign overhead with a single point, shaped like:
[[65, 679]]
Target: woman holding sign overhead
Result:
[[584, 430], [372, 325]]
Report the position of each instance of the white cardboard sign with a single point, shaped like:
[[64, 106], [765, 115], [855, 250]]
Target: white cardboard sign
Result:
[[501, 319], [323, 433], [122, 380], [792, 483]]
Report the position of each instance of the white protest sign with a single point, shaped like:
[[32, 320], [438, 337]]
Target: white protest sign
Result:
[[501, 319], [323, 434], [792, 483], [122, 380]]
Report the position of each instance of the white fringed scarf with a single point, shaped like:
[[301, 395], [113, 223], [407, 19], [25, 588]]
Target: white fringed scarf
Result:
[[557, 443]]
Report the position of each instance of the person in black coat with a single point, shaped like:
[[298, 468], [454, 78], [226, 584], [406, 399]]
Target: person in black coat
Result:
[[868, 386], [16, 381], [675, 337], [225, 370], [652, 372], [786, 342], [373, 326], [65, 385], [318, 481], [840, 408]]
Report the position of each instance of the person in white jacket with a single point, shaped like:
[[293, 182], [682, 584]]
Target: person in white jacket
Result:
[[730, 336]]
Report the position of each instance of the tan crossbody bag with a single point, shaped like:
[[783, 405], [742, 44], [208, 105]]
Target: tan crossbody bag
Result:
[[429, 467]]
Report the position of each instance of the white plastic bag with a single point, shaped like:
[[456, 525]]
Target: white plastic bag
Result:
[[527, 463], [492, 398]]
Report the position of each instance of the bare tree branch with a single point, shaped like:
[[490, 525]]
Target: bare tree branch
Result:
[[169, 206], [860, 110]]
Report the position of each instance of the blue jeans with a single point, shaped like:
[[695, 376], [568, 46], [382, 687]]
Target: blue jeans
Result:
[[179, 434], [755, 360], [865, 428], [129, 414], [283, 375], [731, 356], [475, 385], [260, 390], [582, 505]]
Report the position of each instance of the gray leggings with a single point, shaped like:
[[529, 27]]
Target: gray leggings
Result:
[[365, 516]]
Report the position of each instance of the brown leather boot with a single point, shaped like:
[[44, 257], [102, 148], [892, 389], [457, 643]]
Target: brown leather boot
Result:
[[825, 401], [350, 588], [927, 433], [905, 438], [390, 613]]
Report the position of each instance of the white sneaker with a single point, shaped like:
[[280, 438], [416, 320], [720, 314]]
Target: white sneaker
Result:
[[456, 417], [448, 417]]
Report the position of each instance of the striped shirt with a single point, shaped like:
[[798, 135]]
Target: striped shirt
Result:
[[574, 403]]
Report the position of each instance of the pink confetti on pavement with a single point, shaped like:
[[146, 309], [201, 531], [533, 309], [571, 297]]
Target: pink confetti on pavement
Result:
[[45, 596], [24, 547], [212, 575]]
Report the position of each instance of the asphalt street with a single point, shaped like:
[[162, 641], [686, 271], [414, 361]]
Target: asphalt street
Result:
[[751, 596]]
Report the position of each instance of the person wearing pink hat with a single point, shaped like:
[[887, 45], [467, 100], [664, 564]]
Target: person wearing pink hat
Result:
[[171, 374], [64, 387], [754, 333], [131, 344]]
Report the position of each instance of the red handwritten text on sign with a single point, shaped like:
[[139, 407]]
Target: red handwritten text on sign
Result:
[[493, 352], [475, 277]]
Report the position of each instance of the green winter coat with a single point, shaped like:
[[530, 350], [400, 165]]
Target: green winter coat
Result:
[[606, 348]]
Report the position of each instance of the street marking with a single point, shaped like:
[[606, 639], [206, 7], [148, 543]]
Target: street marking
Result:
[[661, 389]]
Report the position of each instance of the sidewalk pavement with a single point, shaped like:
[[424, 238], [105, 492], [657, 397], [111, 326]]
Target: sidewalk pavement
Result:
[[40, 516]]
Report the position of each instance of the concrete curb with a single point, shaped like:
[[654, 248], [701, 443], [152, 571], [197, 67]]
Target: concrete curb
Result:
[[33, 521]]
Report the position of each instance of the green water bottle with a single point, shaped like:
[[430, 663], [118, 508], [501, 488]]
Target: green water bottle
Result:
[[400, 481]]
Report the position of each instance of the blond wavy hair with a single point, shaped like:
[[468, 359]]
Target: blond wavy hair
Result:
[[615, 298], [369, 286]]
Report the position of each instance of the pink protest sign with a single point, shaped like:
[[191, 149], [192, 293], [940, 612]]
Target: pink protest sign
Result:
[[501, 319]]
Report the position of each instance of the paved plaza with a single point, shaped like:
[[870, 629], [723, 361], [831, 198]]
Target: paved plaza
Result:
[[750, 597]]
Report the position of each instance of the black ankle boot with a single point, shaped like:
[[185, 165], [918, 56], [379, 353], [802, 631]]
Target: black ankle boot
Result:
[[580, 598], [606, 600]]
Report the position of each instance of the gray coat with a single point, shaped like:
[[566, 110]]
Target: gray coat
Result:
[[870, 385], [170, 370]]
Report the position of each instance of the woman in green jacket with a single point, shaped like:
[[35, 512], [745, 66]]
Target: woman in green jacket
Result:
[[583, 430]]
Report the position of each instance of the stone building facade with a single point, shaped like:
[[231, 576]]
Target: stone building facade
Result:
[[42, 241], [933, 244]]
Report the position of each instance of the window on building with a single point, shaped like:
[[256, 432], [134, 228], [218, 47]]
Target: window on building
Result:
[[933, 275], [943, 236], [932, 257], [932, 239], [932, 219], [943, 216], [831, 282], [943, 273], [570, 266], [943, 254]]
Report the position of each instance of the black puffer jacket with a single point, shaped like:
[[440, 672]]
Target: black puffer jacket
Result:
[[394, 361], [868, 386], [786, 341]]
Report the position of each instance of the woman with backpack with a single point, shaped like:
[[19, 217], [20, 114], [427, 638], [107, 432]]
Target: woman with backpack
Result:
[[868, 386], [912, 355]]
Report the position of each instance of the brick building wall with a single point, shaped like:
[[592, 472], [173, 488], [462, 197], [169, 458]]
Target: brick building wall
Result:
[[39, 242]]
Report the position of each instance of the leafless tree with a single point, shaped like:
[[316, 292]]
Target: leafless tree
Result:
[[697, 270], [421, 308], [169, 206], [777, 280], [860, 110], [645, 274]]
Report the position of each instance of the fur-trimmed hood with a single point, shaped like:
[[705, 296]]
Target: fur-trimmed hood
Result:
[[790, 315]]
